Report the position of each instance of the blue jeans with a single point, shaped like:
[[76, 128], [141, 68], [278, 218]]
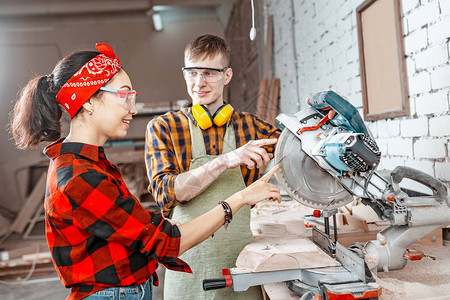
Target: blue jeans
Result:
[[137, 292]]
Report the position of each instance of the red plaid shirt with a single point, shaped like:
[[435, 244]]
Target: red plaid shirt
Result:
[[168, 149], [98, 233]]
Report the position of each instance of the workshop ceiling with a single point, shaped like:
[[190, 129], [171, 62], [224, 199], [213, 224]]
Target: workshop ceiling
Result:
[[166, 10], [58, 7]]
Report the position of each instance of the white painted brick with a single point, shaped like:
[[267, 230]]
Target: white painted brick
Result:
[[409, 5], [373, 128], [440, 77], [414, 127], [416, 41], [423, 15], [432, 103], [405, 27], [426, 166], [440, 126], [388, 128], [431, 57], [439, 32], [429, 148], [412, 106], [390, 163], [445, 7], [382, 145], [419, 83], [442, 170], [400, 146], [352, 55], [410, 66]]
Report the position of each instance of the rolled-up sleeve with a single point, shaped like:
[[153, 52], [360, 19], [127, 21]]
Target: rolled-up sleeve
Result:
[[161, 164]]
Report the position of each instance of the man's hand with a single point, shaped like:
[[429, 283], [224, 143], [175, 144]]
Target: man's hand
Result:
[[251, 154]]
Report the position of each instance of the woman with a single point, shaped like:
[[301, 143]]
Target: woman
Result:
[[103, 243]]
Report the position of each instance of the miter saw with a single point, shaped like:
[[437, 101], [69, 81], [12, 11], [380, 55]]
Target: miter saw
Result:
[[327, 163]]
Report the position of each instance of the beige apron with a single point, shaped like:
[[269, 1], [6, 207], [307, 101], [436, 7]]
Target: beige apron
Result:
[[220, 251]]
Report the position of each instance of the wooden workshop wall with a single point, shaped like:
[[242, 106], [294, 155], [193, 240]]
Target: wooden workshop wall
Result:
[[243, 88]]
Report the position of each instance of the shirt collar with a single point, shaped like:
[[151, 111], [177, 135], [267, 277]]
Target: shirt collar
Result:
[[59, 148]]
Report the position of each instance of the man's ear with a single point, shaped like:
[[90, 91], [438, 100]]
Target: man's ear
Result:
[[228, 75]]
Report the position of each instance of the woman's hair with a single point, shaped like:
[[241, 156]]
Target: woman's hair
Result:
[[36, 116]]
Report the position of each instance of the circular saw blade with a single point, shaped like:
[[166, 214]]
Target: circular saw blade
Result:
[[303, 179]]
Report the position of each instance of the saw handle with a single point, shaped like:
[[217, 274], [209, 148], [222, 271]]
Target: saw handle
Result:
[[349, 115], [214, 284], [218, 283], [438, 188]]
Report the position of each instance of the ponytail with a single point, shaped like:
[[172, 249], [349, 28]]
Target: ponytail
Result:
[[36, 116]]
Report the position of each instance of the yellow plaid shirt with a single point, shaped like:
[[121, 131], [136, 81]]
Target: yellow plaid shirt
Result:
[[168, 149]]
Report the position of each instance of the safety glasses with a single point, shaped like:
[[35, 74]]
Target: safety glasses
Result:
[[208, 74], [125, 98]]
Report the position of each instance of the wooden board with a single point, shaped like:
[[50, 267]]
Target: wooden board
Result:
[[272, 104], [263, 95], [283, 254], [32, 203], [356, 222]]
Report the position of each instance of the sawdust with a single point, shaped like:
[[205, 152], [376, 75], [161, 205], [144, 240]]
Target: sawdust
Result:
[[394, 289], [423, 279]]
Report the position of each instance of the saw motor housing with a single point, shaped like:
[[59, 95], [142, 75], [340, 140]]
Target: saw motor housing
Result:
[[349, 151]]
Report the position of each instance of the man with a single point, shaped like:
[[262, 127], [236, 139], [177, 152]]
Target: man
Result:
[[192, 157]]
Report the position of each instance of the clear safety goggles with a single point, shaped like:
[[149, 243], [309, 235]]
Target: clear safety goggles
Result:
[[208, 74]]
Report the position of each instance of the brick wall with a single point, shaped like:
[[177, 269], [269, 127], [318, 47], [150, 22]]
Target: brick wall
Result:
[[316, 48]]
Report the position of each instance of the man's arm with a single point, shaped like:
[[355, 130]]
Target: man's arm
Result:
[[170, 186], [192, 183], [161, 163]]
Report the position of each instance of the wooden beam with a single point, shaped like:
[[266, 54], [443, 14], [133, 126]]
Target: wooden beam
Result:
[[272, 105], [34, 199]]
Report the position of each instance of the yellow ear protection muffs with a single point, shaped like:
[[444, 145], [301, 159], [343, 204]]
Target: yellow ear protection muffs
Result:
[[204, 120]]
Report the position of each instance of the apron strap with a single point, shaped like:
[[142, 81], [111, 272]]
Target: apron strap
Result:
[[198, 144]]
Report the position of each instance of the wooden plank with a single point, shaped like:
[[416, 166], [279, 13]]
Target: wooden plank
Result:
[[34, 199], [272, 104], [356, 222], [434, 238], [263, 94], [283, 254]]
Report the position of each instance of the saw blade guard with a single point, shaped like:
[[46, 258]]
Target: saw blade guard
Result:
[[315, 152]]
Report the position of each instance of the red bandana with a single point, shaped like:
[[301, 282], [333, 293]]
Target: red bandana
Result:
[[88, 80]]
